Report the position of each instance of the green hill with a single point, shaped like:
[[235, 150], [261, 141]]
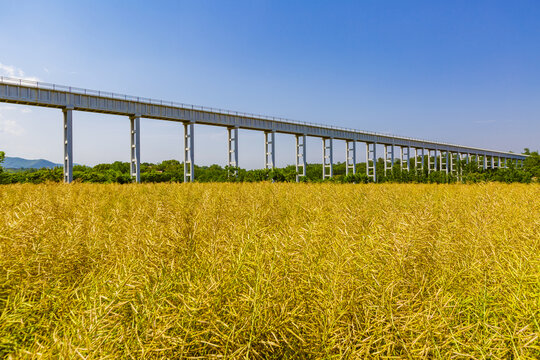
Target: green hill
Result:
[[20, 163]]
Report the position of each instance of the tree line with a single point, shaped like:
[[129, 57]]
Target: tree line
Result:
[[173, 171]]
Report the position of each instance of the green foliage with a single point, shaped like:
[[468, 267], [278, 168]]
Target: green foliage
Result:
[[2, 157], [532, 164], [358, 178], [173, 171]]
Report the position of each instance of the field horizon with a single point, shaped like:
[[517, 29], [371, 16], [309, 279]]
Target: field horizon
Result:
[[262, 270]]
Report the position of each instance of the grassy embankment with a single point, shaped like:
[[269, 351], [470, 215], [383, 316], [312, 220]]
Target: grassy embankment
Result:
[[270, 270]]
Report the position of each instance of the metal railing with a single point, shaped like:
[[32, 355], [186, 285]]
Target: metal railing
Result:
[[111, 95]]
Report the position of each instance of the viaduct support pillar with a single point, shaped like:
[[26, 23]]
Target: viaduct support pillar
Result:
[[189, 156], [371, 161], [300, 156], [388, 158], [441, 168], [270, 149], [405, 158], [350, 166], [460, 165], [419, 161], [424, 163], [232, 162], [328, 158], [68, 145], [409, 158], [135, 163]]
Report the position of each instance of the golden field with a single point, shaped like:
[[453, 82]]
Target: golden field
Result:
[[270, 271]]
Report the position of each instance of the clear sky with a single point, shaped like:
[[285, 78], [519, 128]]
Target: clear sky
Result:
[[465, 72]]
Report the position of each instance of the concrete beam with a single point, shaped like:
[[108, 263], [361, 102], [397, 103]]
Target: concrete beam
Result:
[[57, 96]]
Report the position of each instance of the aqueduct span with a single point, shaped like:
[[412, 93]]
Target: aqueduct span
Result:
[[68, 99]]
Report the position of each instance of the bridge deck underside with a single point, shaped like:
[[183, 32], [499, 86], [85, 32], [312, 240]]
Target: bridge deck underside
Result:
[[29, 95]]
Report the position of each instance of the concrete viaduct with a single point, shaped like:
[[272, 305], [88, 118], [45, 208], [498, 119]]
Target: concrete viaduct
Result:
[[440, 156]]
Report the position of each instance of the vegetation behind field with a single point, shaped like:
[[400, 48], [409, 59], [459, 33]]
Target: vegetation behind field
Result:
[[173, 171], [270, 271]]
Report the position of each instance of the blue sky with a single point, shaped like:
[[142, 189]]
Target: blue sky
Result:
[[465, 72]]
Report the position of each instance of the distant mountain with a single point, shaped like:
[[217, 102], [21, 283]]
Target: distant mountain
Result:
[[20, 163]]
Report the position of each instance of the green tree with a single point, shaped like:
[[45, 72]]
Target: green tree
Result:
[[173, 171], [2, 157], [532, 164]]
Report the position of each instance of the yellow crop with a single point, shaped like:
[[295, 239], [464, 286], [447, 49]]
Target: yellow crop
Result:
[[270, 271]]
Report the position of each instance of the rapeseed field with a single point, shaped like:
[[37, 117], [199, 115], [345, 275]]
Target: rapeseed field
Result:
[[160, 271]]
